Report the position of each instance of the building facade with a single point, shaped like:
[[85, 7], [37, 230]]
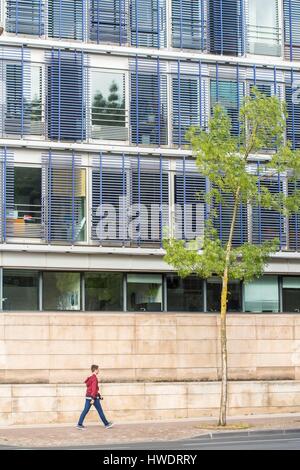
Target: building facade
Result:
[[96, 98]]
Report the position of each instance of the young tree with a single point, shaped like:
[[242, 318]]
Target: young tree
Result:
[[226, 162]]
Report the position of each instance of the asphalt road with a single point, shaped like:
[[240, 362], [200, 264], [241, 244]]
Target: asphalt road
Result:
[[262, 440]]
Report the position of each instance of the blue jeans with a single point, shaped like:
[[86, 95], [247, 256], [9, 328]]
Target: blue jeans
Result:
[[86, 409]]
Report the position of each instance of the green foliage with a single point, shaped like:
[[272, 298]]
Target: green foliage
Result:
[[110, 112], [224, 160]]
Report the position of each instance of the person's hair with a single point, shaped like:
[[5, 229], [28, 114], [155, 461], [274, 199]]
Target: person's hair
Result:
[[94, 367]]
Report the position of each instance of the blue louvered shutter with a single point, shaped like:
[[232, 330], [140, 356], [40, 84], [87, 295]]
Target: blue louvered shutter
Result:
[[223, 217], [190, 207], [268, 224], [18, 109], [150, 197], [148, 23], [108, 21], [293, 109], [294, 220], [63, 199], [67, 89], [186, 107], [229, 94], [6, 191], [225, 23], [66, 19], [25, 17], [189, 24], [148, 107], [291, 29], [110, 199]]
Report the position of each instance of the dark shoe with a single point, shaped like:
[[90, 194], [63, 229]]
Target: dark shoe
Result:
[[109, 425], [80, 426]]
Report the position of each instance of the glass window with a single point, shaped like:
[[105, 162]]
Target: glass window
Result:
[[108, 111], [25, 17], [263, 27], [25, 220], [291, 294], [61, 291], [104, 291], [214, 288], [20, 290], [262, 295], [229, 95], [144, 292], [184, 295], [66, 19]]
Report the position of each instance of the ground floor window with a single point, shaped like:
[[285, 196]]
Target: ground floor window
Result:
[[144, 292], [184, 295], [61, 291], [291, 294], [103, 291], [214, 288], [20, 289], [262, 295]]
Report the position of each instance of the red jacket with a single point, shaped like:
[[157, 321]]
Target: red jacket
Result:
[[92, 387]]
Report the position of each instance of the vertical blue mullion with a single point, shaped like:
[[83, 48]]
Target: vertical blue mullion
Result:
[[293, 111], [136, 23], [73, 197], [159, 102], [259, 207], [49, 196], [137, 99], [180, 24], [124, 226], [158, 24], [242, 27], [179, 103], [120, 22], [238, 100], [82, 97], [221, 26], [17, 16], [98, 22], [275, 80], [161, 200], [280, 215], [101, 191], [59, 94], [4, 191], [139, 196], [184, 198], [291, 33], [83, 20], [217, 82], [202, 25], [200, 93], [60, 18], [254, 74], [40, 18], [22, 91]]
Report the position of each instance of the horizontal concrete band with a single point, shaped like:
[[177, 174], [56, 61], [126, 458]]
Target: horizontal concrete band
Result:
[[49, 404], [58, 348]]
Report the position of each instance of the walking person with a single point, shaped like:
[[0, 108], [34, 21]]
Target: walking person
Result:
[[93, 397]]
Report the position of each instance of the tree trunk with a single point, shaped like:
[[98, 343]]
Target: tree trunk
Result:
[[223, 329]]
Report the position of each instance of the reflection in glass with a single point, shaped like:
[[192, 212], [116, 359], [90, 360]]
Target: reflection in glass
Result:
[[262, 295], [184, 295], [104, 291], [263, 28], [20, 289], [108, 105], [61, 291], [144, 292], [214, 288]]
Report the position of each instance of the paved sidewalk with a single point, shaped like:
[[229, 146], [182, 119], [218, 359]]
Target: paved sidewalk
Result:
[[96, 434]]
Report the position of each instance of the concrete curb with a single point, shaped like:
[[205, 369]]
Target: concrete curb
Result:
[[255, 432]]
